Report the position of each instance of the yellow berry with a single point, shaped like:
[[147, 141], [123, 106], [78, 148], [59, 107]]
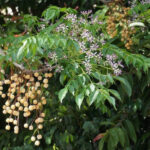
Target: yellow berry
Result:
[[26, 125], [39, 136], [50, 75], [37, 84], [11, 119], [7, 120], [45, 85], [39, 92], [35, 102], [36, 74], [17, 104], [3, 95], [31, 127], [45, 81], [13, 107], [7, 127], [20, 108], [33, 138], [12, 96], [4, 112], [15, 122], [40, 126], [42, 114], [26, 109], [40, 78], [37, 143]]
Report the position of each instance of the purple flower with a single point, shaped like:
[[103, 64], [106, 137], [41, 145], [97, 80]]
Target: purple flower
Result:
[[85, 34], [62, 28], [94, 20], [99, 56], [86, 12], [120, 64], [103, 42], [71, 17], [90, 55], [115, 65], [82, 20], [59, 69], [100, 22], [94, 47], [82, 46], [117, 72], [87, 66], [53, 56], [145, 2]]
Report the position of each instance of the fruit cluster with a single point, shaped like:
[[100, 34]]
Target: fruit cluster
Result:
[[119, 19], [25, 97]]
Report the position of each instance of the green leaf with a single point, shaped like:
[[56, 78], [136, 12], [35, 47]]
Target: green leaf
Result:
[[113, 139], [62, 78], [115, 93], [79, 99], [93, 97], [125, 84], [92, 87], [101, 144], [22, 49], [137, 24], [121, 136], [112, 101], [62, 94], [131, 130], [71, 89]]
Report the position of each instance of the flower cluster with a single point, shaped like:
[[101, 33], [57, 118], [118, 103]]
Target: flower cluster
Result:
[[62, 28], [71, 17], [86, 13], [115, 65], [145, 1], [90, 44]]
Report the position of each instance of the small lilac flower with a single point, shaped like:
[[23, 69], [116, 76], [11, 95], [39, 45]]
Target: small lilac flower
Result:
[[87, 66], [85, 34], [43, 26], [59, 69], [117, 72], [82, 20], [62, 28], [94, 47], [86, 12], [94, 20], [100, 22], [53, 56], [71, 17], [99, 56], [82, 46], [103, 42], [145, 2], [90, 55], [120, 64], [102, 34], [114, 57]]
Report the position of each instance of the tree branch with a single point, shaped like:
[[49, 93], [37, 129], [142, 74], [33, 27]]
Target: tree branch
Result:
[[23, 69]]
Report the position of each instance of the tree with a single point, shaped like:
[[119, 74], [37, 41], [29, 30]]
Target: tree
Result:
[[76, 80]]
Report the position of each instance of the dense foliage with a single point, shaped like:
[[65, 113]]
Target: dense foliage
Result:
[[97, 96]]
